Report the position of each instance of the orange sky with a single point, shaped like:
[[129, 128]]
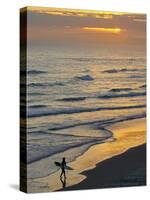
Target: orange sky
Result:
[[79, 27]]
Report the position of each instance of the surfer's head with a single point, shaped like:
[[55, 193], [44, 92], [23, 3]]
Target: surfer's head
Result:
[[64, 158]]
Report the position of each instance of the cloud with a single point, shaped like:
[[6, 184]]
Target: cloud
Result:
[[77, 12]]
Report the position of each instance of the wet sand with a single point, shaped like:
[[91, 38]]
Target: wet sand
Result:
[[90, 167], [127, 169]]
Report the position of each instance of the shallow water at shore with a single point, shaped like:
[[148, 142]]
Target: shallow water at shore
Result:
[[127, 134]]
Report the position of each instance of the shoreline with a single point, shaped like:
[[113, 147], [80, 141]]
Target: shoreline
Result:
[[126, 169], [127, 134]]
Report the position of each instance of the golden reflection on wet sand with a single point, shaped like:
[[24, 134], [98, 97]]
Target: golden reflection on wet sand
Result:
[[127, 134]]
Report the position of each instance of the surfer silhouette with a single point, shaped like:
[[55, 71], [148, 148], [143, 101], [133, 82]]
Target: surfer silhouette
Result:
[[63, 181], [63, 164]]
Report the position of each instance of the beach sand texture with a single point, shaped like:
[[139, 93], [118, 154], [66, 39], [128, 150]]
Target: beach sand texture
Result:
[[127, 135]]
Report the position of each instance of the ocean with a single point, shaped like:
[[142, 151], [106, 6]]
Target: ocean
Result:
[[73, 97]]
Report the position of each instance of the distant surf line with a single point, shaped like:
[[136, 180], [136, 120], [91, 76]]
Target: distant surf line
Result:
[[39, 113]]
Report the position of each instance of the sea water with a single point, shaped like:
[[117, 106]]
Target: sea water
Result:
[[72, 97]]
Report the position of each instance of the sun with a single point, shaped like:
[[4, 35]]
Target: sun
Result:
[[117, 30], [100, 29]]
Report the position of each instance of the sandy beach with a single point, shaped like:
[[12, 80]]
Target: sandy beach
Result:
[[118, 162], [127, 169]]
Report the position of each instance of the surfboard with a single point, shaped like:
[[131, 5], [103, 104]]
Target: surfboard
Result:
[[58, 164]]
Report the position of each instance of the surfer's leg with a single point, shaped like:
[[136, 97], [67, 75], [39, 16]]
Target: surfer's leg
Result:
[[61, 173], [64, 174]]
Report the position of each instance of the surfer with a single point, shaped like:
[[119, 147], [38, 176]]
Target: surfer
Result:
[[63, 164]]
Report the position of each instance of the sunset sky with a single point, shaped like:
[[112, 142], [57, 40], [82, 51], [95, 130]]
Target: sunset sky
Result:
[[94, 29]]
